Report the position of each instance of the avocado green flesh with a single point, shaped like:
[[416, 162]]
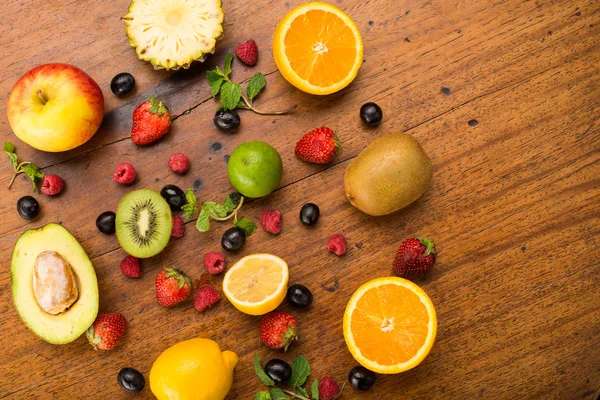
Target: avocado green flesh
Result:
[[73, 322], [388, 175]]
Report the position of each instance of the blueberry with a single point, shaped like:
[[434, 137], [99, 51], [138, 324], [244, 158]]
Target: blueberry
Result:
[[278, 370], [299, 296], [371, 114], [309, 214], [233, 239], [174, 196], [361, 378], [106, 222], [28, 207], [131, 380], [122, 83], [226, 120]]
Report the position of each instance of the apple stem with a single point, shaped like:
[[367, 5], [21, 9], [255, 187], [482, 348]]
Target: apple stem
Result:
[[42, 97]]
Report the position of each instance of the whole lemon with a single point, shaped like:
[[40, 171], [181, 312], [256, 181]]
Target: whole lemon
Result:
[[194, 369]]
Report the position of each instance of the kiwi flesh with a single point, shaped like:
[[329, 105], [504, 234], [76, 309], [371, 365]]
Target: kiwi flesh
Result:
[[143, 223]]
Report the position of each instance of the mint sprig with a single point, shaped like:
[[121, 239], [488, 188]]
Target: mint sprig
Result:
[[231, 94], [26, 167], [210, 210], [300, 375]]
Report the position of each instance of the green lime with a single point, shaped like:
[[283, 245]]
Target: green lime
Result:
[[255, 169]]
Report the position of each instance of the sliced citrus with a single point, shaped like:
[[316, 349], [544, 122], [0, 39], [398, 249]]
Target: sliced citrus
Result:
[[318, 48], [390, 325], [257, 283]]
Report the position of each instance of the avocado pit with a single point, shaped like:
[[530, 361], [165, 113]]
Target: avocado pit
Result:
[[54, 283]]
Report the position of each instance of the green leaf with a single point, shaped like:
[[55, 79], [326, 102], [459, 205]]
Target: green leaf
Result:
[[188, 210], [32, 171], [278, 394], [228, 204], [220, 72], [215, 81], [241, 104], [246, 225], [203, 222], [262, 396], [260, 372], [300, 371], [315, 389], [256, 84], [9, 147], [13, 159], [231, 93], [190, 196], [215, 209], [227, 65], [302, 391]]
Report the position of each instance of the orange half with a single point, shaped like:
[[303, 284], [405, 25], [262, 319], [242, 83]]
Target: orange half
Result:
[[390, 325], [318, 48]]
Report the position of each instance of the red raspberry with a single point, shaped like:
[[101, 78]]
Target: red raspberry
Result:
[[247, 52], [206, 297], [52, 185], [337, 244], [328, 389], [178, 227], [130, 267], [179, 163], [125, 174], [270, 220], [214, 263]]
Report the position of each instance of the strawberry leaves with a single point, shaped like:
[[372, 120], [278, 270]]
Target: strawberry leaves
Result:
[[230, 93], [26, 167]]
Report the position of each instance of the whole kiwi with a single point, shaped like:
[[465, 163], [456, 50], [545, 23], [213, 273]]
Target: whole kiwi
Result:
[[388, 175]]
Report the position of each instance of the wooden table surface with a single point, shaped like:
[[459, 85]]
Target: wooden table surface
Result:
[[514, 205]]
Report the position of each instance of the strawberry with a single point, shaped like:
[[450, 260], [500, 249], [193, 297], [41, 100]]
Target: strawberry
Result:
[[415, 257], [247, 52], [151, 121], [317, 146], [172, 287], [105, 332], [278, 330]]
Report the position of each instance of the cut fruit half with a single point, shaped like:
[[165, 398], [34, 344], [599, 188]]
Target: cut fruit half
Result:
[[257, 283], [390, 325], [318, 48], [171, 34], [143, 223]]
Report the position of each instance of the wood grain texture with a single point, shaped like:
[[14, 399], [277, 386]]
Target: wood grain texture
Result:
[[514, 205]]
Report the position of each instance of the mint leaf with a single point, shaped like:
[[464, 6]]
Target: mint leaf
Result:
[[227, 65], [32, 171], [188, 210], [301, 391], [256, 84], [246, 225], [231, 93], [9, 147], [300, 372], [215, 81], [278, 394], [203, 222], [220, 72], [262, 396], [229, 204], [315, 389], [260, 372], [215, 209], [241, 104]]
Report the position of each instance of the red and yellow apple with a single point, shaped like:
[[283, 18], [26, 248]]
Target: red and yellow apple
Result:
[[55, 107]]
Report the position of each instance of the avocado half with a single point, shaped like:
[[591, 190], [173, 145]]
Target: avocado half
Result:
[[73, 322]]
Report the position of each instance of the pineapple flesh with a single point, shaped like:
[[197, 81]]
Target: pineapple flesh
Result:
[[171, 34]]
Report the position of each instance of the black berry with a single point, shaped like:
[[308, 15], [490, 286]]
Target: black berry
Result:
[[299, 296], [278, 370], [226, 120], [28, 207], [233, 239], [131, 380], [174, 196], [309, 214], [371, 114], [361, 378], [122, 83], [106, 222]]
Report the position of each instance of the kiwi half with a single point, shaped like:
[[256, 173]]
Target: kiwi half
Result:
[[143, 223]]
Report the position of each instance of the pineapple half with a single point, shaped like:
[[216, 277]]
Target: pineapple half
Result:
[[171, 34]]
